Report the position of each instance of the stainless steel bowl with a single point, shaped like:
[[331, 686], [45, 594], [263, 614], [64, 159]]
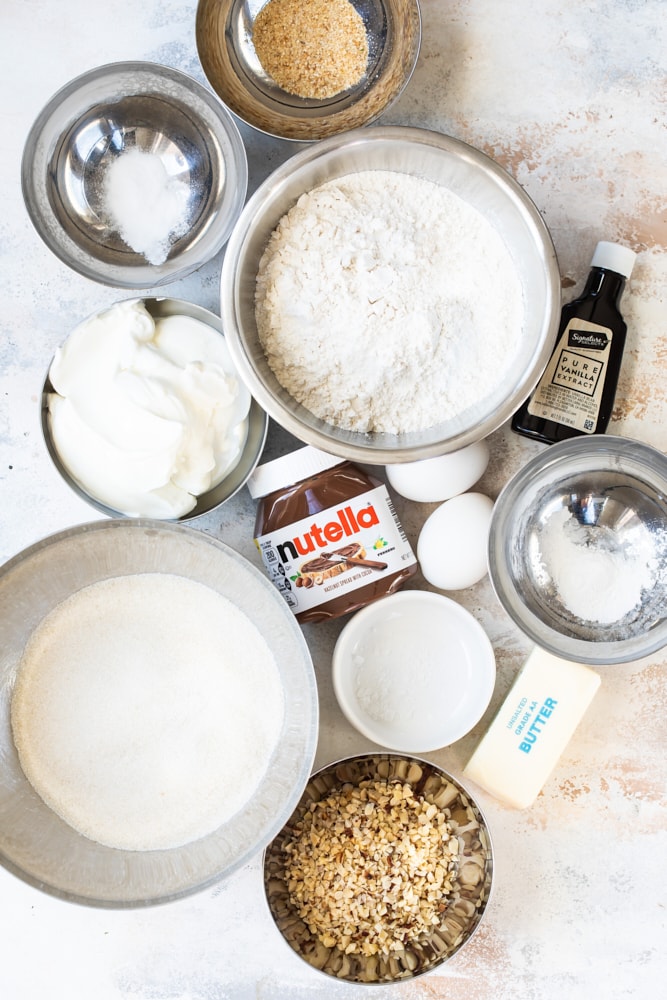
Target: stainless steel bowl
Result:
[[472, 176], [35, 843], [96, 118], [605, 495], [226, 51], [160, 308], [462, 908]]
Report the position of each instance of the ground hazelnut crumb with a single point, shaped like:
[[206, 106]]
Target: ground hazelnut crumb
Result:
[[311, 48], [368, 866]]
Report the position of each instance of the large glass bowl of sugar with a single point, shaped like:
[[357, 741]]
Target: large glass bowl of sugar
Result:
[[35, 843]]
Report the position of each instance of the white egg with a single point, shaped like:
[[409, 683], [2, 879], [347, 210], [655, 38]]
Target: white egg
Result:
[[452, 545], [435, 479]]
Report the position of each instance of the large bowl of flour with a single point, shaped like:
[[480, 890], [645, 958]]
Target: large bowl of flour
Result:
[[158, 712], [390, 294]]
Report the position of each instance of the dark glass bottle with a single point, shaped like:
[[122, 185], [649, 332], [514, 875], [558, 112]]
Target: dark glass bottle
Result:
[[576, 392]]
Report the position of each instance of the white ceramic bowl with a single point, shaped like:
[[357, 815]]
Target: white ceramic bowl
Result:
[[413, 672]]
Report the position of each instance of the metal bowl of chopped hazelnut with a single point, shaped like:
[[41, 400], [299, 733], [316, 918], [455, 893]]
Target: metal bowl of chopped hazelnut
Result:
[[383, 871], [306, 71]]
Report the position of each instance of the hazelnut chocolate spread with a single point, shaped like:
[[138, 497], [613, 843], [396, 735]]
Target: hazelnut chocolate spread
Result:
[[328, 534]]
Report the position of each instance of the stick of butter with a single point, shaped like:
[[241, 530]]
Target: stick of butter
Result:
[[532, 728]]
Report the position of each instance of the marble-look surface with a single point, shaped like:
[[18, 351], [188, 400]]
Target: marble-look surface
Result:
[[570, 97]]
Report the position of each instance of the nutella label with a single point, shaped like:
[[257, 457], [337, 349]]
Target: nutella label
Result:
[[329, 554]]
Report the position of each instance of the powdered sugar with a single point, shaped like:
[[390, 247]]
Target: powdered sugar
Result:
[[598, 577], [384, 302]]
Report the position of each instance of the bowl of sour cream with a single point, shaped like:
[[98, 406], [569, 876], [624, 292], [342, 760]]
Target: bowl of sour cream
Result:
[[144, 415]]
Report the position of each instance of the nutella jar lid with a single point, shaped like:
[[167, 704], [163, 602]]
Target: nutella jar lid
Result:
[[290, 469]]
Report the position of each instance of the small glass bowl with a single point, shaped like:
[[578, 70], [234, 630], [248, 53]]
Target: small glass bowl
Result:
[[228, 57], [92, 121], [610, 493]]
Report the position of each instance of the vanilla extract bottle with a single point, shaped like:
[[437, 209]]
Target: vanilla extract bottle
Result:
[[576, 392]]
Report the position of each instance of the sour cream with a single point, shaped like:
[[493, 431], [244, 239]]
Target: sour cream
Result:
[[146, 414]]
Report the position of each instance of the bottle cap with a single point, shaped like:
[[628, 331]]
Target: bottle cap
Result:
[[289, 469], [614, 257]]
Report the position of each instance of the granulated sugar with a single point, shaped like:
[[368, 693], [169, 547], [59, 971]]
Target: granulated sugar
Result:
[[147, 206], [384, 302], [145, 711]]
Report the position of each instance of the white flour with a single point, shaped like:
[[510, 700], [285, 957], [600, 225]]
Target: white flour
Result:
[[384, 302], [596, 577], [145, 710]]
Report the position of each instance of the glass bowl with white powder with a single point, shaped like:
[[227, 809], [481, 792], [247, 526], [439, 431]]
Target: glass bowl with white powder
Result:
[[158, 713], [578, 549], [390, 294], [134, 174]]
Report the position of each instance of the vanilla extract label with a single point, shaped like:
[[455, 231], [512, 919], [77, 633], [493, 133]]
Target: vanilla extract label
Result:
[[578, 372], [570, 390]]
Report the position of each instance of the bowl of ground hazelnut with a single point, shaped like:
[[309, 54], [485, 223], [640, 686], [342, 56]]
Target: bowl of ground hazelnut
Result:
[[383, 872], [308, 70]]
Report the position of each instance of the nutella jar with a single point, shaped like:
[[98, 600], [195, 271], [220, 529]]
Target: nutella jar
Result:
[[328, 534]]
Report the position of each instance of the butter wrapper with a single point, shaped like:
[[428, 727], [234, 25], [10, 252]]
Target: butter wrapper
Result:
[[532, 728]]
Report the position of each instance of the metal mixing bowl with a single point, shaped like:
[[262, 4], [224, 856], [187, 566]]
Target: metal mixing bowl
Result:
[[96, 118], [38, 846], [226, 51], [607, 495], [160, 308], [469, 174], [462, 908]]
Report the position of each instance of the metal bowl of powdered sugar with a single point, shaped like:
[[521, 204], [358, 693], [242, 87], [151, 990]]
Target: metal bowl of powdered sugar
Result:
[[390, 294], [578, 549], [134, 174]]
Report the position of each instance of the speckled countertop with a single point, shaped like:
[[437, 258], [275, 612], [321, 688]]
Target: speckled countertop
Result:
[[571, 98]]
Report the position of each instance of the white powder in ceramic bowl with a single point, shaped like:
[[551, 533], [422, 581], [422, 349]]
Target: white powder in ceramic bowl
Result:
[[146, 710]]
